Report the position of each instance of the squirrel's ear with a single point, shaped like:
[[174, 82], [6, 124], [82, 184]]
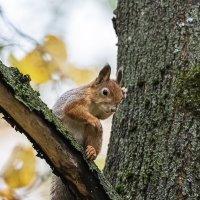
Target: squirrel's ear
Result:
[[119, 76], [104, 74]]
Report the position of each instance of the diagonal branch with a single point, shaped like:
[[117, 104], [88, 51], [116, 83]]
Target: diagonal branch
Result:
[[23, 109]]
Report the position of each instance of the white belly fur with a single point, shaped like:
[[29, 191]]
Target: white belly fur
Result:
[[75, 128]]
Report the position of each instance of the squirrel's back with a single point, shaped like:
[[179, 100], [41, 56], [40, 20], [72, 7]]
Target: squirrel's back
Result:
[[68, 98]]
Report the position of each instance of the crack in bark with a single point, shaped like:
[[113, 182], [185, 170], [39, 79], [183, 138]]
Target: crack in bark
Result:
[[181, 178]]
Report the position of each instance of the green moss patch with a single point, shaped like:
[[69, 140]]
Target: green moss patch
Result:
[[187, 97]]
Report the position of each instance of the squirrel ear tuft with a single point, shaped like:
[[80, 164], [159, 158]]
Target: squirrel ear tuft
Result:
[[119, 76], [104, 74]]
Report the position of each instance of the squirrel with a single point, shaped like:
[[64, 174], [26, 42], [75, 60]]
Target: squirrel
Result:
[[81, 110]]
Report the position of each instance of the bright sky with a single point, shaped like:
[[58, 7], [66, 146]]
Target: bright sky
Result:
[[85, 25]]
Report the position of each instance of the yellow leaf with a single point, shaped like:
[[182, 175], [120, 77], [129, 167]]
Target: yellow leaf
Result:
[[20, 170], [34, 65], [100, 163], [44, 60], [56, 48], [8, 194], [80, 76], [48, 58]]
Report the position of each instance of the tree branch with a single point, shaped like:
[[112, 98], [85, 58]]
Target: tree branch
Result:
[[23, 109]]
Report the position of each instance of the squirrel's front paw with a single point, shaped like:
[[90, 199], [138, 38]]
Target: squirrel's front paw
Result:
[[90, 152], [96, 124]]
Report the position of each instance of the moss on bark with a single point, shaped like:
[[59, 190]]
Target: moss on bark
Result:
[[187, 96]]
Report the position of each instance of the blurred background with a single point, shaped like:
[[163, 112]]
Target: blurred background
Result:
[[61, 44]]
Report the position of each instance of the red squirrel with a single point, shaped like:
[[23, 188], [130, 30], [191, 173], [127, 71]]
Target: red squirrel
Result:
[[81, 110]]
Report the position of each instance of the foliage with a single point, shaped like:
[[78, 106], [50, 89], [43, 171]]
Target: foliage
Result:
[[113, 3], [100, 163], [50, 58], [19, 171]]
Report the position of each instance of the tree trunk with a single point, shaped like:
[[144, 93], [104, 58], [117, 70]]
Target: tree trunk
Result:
[[154, 150]]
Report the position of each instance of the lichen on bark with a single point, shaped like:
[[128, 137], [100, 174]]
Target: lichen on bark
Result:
[[153, 140]]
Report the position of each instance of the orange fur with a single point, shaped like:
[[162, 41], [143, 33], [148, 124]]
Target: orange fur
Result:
[[81, 109]]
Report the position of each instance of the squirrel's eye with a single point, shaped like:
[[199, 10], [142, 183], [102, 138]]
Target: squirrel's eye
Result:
[[105, 91]]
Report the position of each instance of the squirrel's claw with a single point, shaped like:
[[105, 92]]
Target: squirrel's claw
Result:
[[90, 153], [124, 92]]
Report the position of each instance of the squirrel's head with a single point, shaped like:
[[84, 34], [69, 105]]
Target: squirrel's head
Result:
[[107, 93]]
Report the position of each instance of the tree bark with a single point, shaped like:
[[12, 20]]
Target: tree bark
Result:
[[23, 109], [155, 141]]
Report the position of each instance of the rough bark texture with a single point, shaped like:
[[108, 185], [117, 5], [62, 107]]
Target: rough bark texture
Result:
[[154, 151], [23, 109]]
